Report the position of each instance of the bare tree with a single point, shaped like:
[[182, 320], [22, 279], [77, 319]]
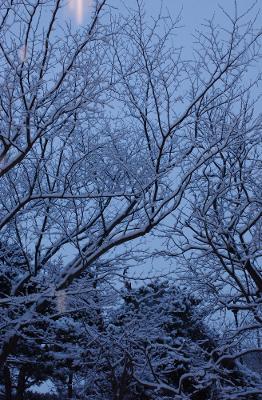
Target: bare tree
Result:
[[102, 130], [221, 243], [217, 234]]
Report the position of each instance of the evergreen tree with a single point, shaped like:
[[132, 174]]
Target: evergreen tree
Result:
[[159, 348]]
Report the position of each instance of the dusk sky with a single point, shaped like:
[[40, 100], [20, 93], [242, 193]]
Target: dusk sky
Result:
[[130, 199], [193, 12]]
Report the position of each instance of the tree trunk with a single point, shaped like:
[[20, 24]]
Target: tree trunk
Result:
[[255, 275], [21, 384], [7, 348], [70, 386], [7, 383]]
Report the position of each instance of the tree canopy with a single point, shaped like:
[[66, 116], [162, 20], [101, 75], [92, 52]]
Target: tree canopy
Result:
[[108, 133]]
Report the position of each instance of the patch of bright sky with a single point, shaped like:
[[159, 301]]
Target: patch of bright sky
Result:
[[193, 12]]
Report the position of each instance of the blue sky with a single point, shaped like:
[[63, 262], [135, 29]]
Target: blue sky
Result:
[[194, 12]]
